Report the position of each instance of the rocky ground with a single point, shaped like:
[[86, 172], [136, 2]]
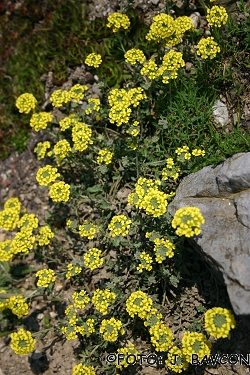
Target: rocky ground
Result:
[[54, 354]]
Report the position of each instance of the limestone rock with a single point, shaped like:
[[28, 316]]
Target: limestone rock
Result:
[[222, 194]]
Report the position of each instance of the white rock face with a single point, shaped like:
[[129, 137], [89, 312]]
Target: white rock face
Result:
[[222, 194]]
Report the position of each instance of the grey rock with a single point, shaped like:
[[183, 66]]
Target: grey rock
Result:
[[220, 113], [222, 194]]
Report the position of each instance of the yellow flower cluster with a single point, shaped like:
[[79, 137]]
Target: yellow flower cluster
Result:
[[81, 136], [134, 129], [70, 332], [104, 156], [102, 299], [69, 121], [81, 299], [183, 153], [172, 62], [41, 149], [207, 48], [198, 152], [46, 175], [23, 242], [147, 196], [71, 315], [188, 221], [92, 258], [135, 95], [138, 303], [40, 120], [5, 251], [22, 342], [117, 21], [176, 360], [28, 222], [126, 351], [87, 230], [217, 16], [162, 27], [134, 56], [83, 370], [152, 317], [61, 150], [163, 248], [18, 306], [120, 101], [150, 69], [26, 102], [60, 97], [119, 225], [59, 192], [77, 92], [94, 105], [110, 329], [9, 219], [86, 328], [146, 261], [219, 322], [44, 235], [93, 59], [161, 337], [195, 343], [3, 302], [73, 270], [45, 277]]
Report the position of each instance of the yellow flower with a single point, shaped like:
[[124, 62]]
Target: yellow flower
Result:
[[163, 26], [134, 55], [22, 342], [94, 105], [87, 229], [81, 299], [60, 97], [217, 16], [46, 175], [163, 248], [28, 221], [45, 277], [146, 261], [187, 220], [9, 219], [126, 351], [41, 149], [83, 370], [81, 136], [219, 322], [44, 235], [198, 152], [73, 270], [150, 69], [207, 48], [119, 225], [93, 59], [161, 337], [23, 242], [26, 102], [102, 299], [110, 329], [195, 343], [138, 303], [117, 21], [92, 258], [61, 150], [40, 120], [59, 192], [77, 92], [104, 156], [18, 306], [5, 251], [176, 360]]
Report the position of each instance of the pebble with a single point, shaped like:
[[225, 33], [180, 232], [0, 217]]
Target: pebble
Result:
[[195, 17], [40, 316]]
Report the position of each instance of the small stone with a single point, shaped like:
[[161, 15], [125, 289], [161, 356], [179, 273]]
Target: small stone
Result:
[[52, 314], [37, 200], [155, 2], [96, 90], [96, 78], [220, 113], [40, 316], [188, 66], [235, 118], [195, 17]]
